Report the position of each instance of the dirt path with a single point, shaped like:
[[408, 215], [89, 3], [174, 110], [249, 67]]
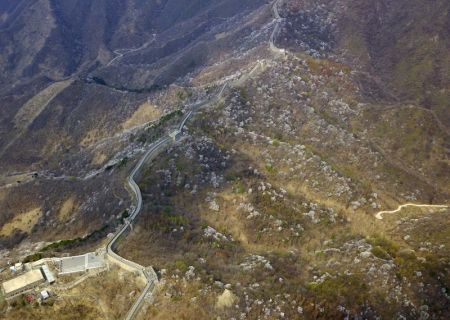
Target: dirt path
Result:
[[379, 214]]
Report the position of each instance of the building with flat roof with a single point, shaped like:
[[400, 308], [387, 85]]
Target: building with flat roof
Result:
[[22, 283], [47, 274], [45, 295]]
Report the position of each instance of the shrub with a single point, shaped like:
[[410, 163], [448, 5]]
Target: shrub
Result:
[[270, 168], [125, 214], [238, 187], [344, 289], [122, 163], [33, 257], [379, 252], [384, 246], [180, 265], [276, 142]]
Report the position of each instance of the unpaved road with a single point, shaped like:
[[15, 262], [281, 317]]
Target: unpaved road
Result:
[[379, 214]]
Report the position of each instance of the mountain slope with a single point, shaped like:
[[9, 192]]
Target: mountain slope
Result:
[[316, 187]]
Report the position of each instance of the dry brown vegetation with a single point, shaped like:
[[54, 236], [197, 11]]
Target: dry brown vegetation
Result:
[[23, 222], [106, 296], [288, 175], [144, 114], [266, 209]]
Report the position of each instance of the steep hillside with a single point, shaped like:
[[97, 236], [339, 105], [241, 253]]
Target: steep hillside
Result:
[[407, 44], [316, 186], [402, 45], [58, 39], [85, 86]]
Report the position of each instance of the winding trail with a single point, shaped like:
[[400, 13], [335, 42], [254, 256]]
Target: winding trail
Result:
[[379, 214], [278, 19], [148, 273], [123, 52]]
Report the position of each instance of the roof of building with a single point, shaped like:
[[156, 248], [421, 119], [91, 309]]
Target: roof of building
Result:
[[44, 294], [30, 277], [48, 274]]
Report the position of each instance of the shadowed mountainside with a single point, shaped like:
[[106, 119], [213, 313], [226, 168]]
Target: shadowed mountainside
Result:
[[59, 38], [74, 100], [402, 47]]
